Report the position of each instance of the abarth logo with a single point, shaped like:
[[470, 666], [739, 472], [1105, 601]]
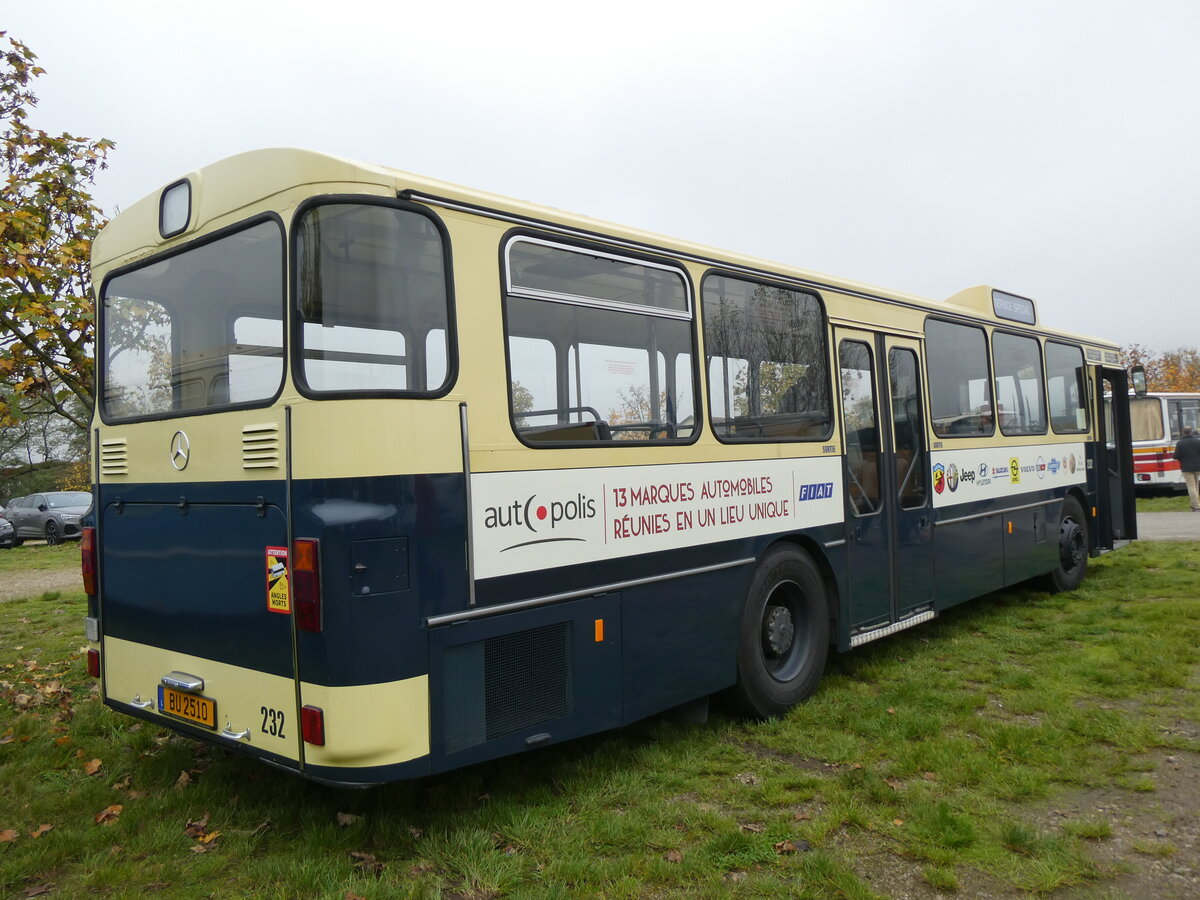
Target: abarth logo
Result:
[[181, 450]]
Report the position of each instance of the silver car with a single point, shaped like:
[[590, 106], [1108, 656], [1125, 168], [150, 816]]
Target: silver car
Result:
[[53, 515]]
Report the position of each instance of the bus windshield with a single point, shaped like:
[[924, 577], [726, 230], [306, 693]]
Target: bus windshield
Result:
[[198, 330], [1146, 419]]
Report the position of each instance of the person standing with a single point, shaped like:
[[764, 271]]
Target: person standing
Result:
[[1187, 451]]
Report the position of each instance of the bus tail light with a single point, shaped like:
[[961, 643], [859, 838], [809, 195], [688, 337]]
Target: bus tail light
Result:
[[93, 662], [306, 583], [312, 725], [87, 560]]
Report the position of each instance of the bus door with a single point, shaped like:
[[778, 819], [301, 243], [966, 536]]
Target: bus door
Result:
[[888, 523], [1116, 513], [909, 472]]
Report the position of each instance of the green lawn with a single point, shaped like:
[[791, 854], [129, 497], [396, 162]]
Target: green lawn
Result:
[[938, 751], [1177, 502]]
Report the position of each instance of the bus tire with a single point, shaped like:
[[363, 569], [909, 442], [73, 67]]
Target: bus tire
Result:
[[784, 634], [1072, 548]]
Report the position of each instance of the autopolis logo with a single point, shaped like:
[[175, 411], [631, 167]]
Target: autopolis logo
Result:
[[537, 520], [181, 450]]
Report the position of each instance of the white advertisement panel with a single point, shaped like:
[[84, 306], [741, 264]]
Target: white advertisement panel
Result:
[[525, 521], [987, 473]]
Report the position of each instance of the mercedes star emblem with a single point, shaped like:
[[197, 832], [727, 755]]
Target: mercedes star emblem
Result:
[[180, 449]]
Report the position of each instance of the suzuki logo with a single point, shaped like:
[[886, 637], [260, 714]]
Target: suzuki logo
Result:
[[180, 450]]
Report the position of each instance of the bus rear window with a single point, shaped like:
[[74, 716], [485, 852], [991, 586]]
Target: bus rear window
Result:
[[201, 329], [374, 307]]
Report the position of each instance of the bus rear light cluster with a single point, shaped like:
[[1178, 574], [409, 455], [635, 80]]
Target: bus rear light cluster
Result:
[[93, 663], [312, 725], [87, 560], [306, 583]]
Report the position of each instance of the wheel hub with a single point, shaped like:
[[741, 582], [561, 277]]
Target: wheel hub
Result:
[[1070, 544], [778, 630]]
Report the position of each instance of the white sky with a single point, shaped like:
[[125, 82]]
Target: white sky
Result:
[[1047, 148]]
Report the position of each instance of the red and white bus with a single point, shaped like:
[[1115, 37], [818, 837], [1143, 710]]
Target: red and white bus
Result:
[[1157, 421]]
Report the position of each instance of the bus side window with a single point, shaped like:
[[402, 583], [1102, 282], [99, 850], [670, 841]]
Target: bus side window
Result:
[[599, 348], [960, 393], [862, 432], [1066, 386], [767, 373]]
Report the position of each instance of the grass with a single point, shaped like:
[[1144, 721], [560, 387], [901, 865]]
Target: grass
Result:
[[935, 752], [1174, 502], [40, 558]]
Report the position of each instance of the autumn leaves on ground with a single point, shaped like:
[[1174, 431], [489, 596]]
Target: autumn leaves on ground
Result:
[[957, 757]]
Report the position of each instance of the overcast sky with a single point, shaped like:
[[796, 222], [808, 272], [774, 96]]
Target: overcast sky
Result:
[[1047, 148]]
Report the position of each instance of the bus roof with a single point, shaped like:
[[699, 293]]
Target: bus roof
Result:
[[236, 187]]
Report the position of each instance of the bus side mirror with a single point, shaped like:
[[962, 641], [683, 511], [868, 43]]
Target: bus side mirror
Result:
[[1138, 375]]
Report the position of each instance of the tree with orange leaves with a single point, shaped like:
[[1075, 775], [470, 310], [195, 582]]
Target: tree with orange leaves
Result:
[[1173, 371]]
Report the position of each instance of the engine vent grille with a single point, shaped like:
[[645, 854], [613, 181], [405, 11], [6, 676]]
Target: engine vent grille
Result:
[[260, 446], [527, 678], [114, 457]]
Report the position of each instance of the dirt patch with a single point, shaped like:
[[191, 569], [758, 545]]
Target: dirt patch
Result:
[[34, 583], [1155, 833]]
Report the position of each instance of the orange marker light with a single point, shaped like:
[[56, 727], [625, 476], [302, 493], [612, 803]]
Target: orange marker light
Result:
[[1010, 527], [599, 631]]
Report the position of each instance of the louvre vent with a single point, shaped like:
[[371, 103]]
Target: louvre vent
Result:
[[527, 678], [114, 457], [260, 447]]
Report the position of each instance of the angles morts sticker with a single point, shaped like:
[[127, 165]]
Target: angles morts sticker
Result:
[[278, 597]]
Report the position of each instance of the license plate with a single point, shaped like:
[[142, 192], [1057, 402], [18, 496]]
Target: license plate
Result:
[[189, 707]]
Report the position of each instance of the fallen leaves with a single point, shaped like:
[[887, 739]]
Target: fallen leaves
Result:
[[366, 861], [203, 836], [109, 814], [40, 830], [673, 856], [345, 820], [7, 835], [792, 846], [92, 767]]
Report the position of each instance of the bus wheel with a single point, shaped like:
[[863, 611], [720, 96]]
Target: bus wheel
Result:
[[1072, 549], [784, 636]]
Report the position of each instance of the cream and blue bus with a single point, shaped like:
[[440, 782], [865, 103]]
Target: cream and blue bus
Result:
[[392, 476]]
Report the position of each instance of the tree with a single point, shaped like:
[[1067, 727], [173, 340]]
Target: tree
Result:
[[1174, 370], [47, 222]]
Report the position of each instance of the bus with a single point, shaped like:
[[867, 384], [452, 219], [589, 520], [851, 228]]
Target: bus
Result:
[[392, 476], [1157, 421]]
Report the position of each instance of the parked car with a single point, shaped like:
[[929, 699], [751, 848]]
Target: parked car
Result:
[[53, 515], [8, 535]]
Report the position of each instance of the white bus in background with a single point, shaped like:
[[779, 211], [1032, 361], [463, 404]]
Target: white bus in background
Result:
[[1157, 421]]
